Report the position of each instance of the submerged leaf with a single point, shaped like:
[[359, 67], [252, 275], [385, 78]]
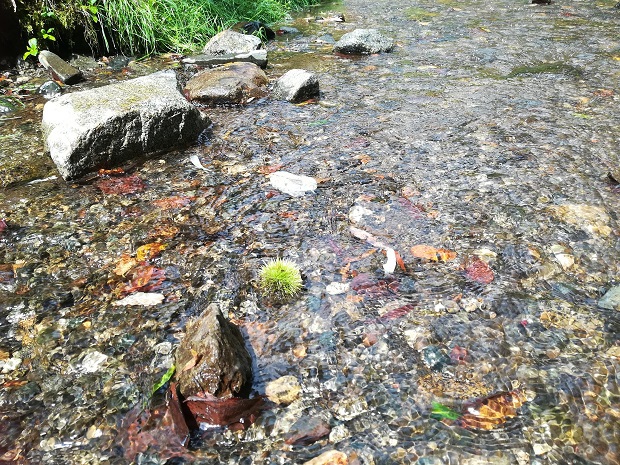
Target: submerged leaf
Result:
[[148, 251], [164, 379], [431, 253], [113, 172], [125, 264], [459, 355], [397, 312], [176, 201], [478, 270], [492, 411], [441, 412], [146, 278], [123, 185]]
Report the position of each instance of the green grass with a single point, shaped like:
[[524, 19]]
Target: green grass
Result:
[[142, 27], [149, 26]]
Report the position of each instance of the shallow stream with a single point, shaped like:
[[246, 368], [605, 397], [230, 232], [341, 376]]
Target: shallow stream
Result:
[[486, 135]]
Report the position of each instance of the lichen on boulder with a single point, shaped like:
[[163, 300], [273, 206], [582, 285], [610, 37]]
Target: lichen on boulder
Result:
[[106, 126]]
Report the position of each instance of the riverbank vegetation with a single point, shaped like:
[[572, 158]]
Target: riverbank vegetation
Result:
[[138, 27]]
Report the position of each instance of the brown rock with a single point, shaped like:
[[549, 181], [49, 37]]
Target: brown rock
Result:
[[212, 357], [59, 68], [307, 430], [331, 457], [283, 390], [231, 83]]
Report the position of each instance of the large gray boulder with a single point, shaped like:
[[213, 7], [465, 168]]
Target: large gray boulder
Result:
[[103, 127], [296, 85], [59, 68], [230, 83], [230, 42], [363, 41], [212, 357]]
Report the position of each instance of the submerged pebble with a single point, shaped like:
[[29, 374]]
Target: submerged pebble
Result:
[[292, 184]]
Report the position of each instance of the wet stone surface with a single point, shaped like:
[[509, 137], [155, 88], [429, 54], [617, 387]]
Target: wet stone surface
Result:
[[478, 150]]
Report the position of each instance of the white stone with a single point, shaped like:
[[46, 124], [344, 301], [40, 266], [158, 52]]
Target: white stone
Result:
[[611, 299], [541, 449], [363, 41], [357, 212], [163, 348], [296, 85], [292, 184], [390, 264], [11, 364], [562, 256], [229, 42], [336, 288], [145, 299], [92, 362]]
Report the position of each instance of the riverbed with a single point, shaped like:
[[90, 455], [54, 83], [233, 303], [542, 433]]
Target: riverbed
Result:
[[480, 150]]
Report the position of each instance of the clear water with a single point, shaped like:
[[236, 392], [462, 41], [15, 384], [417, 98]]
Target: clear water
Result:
[[489, 131]]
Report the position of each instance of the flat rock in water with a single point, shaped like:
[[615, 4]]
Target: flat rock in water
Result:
[[230, 42], [296, 85], [212, 358], [103, 127], [258, 57], [283, 390], [363, 41], [231, 83], [611, 299], [59, 68], [307, 430], [590, 218]]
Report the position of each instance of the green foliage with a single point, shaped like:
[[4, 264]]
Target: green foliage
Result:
[[280, 278], [137, 27], [441, 412], [33, 48], [164, 379], [11, 102], [92, 10], [47, 34], [47, 20]]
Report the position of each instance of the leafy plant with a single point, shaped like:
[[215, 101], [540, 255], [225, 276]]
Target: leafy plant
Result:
[[33, 43], [33, 48], [280, 278], [46, 34], [91, 10]]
